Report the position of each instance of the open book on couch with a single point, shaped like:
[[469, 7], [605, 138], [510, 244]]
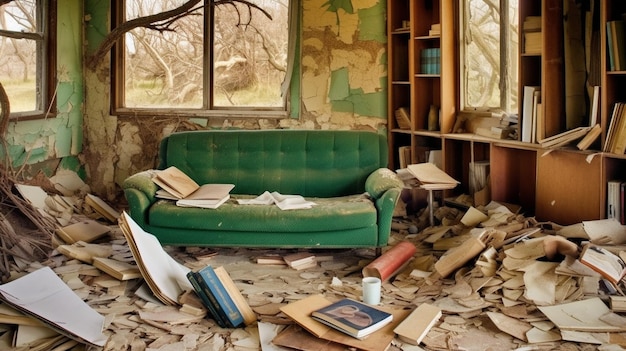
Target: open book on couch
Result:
[[178, 186]]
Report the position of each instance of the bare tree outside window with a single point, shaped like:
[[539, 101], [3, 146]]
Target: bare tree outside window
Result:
[[489, 63], [220, 56], [21, 39]]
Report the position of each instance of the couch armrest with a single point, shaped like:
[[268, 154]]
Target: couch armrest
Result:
[[384, 186], [382, 180], [140, 192]]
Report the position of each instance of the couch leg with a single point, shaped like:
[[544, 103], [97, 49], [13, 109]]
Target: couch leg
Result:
[[379, 251]]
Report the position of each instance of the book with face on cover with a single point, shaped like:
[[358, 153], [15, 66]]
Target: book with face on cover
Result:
[[353, 317]]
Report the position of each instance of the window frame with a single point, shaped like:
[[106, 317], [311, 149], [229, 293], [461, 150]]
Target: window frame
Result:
[[206, 111], [507, 86], [46, 63]]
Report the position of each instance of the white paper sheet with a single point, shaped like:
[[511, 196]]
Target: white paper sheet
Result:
[[45, 296]]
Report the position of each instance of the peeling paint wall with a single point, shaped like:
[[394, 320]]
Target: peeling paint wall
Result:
[[42, 145], [343, 86]]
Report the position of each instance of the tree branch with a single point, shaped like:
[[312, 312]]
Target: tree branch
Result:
[[160, 22], [147, 21]]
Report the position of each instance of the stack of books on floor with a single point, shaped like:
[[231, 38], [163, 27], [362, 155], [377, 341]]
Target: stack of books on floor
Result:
[[221, 297]]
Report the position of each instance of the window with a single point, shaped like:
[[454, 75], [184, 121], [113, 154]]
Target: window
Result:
[[227, 58], [27, 52], [489, 62]]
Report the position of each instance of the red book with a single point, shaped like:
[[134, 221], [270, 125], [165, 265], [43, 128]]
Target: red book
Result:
[[391, 262]]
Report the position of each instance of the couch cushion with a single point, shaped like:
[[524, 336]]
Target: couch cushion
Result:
[[330, 214]]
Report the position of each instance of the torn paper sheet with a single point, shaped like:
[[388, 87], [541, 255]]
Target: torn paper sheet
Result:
[[284, 202]]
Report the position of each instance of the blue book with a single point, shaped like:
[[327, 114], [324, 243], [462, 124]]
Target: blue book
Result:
[[226, 306], [191, 276]]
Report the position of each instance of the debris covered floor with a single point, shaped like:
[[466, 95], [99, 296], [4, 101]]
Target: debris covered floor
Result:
[[489, 288]]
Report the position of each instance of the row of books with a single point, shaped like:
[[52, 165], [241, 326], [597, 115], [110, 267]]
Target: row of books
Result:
[[616, 133], [221, 297], [616, 194], [430, 59], [615, 40]]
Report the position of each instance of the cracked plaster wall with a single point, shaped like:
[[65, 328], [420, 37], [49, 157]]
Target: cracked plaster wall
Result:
[[45, 145], [342, 84]]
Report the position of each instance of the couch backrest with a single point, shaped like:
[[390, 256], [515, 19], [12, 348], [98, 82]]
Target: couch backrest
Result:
[[318, 163]]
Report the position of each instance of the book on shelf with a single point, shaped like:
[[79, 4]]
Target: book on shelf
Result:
[[430, 61], [531, 23], [352, 317], [565, 137], [616, 44], [591, 136], [529, 109], [435, 30], [622, 197], [595, 106], [616, 132], [403, 118], [404, 156], [609, 265], [614, 199], [532, 42]]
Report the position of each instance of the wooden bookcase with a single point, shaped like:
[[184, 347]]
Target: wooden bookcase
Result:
[[563, 185], [409, 24]]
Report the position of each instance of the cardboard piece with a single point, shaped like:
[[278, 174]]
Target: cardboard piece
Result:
[[300, 311]]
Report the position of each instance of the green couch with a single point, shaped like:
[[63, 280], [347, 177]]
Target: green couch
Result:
[[343, 172]]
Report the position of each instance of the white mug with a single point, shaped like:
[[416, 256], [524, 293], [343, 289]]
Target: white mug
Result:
[[371, 290]]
